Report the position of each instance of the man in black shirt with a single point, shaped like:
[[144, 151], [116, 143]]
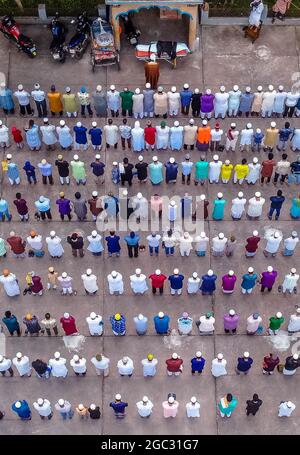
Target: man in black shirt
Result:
[[253, 405], [63, 170], [142, 172], [94, 411], [127, 175]]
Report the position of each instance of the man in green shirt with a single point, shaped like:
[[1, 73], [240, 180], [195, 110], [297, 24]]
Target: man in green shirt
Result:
[[201, 170], [126, 102], [275, 323]]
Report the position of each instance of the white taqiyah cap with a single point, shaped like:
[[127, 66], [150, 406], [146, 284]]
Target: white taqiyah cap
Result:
[[271, 88], [176, 271], [88, 271], [227, 162], [233, 125], [222, 88], [210, 272], [204, 122], [246, 354], [235, 88], [255, 160], [257, 194], [75, 358], [66, 315], [220, 356], [76, 157], [276, 235], [161, 314], [289, 404], [56, 355], [62, 123], [125, 192], [231, 273], [208, 91], [64, 274], [231, 312], [296, 356], [118, 396], [193, 400], [79, 124], [95, 193], [137, 91], [145, 399], [114, 274], [255, 233], [18, 404], [140, 158], [174, 356], [139, 195], [259, 88], [270, 268], [249, 125], [20, 87], [250, 269], [148, 85], [195, 275], [140, 316], [40, 401], [94, 123], [61, 402], [198, 354], [280, 87], [220, 195], [19, 355], [93, 315], [293, 270], [52, 233], [171, 400], [221, 235], [9, 156], [202, 197], [176, 123], [215, 157], [92, 407], [125, 359], [138, 271], [172, 160], [273, 124], [157, 272], [278, 315], [191, 121], [155, 158], [248, 89], [112, 87], [196, 91], [94, 233], [173, 89], [186, 86], [45, 120], [99, 88], [172, 203], [258, 130], [240, 194], [115, 163]]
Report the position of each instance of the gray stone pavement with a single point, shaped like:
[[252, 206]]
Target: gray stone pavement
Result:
[[225, 57]]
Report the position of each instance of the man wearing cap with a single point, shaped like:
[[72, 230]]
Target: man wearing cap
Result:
[[96, 136], [218, 366], [126, 102], [4, 136], [197, 363], [290, 244], [115, 283], [17, 245], [125, 133], [203, 137], [55, 102], [255, 206], [244, 364], [267, 279], [155, 171], [78, 170], [219, 207], [161, 323], [43, 407], [174, 365], [185, 324], [186, 170], [141, 324], [219, 244], [48, 135], [215, 137], [271, 137], [101, 364], [142, 172], [196, 103], [58, 366], [170, 406], [276, 205], [173, 102], [79, 365], [270, 362], [148, 100], [49, 322], [246, 100], [66, 283], [22, 409], [228, 282], [253, 323], [65, 409], [23, 98], [149, 135], [286, 408], [207, 104], [193, 284], [152, 71], [46, 171], [64, 206], [193, 408], [118, 324], [221, 102], [162, 136], [231, 320], [10, 283], [279, 101], [282, 169], [138, 282], [81, 141], [208, 285], [268, 100], [176, 282], [157, 281], [113, 101], [206, 324], [95, 324], [214, 169], [94, 411], [89, 282], [273, 239], [285, 134], [201, 243], [234, 101], [68, 324], [149, 365], [63, 170], [253, 171], [160, 103], [185, 99], [202, 169], [238, 206], [176, 136], [11, 170], [35, 242], [65, 138], [248, 281], [289, 284], [189, 135], [5, 366], [144, 407], [171, 170], [55, 248], [257, 140], [69, 103], [275, 323], [137, 133], [95, 245], [100, 103], [98, 169], [118, 406], [231, 138], [294, 322], [125, 366], [246, 138], [6, 99]]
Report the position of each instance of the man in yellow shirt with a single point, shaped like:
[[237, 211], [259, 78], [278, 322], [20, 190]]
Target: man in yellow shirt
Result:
[[240, 171], [226, 171]]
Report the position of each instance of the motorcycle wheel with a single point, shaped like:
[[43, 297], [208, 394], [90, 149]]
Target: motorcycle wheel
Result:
[[79, 55]]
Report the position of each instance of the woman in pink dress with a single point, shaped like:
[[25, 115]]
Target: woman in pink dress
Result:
[[280, 8]]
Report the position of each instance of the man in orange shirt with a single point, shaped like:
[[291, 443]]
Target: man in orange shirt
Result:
[[203, 137], [55, 102]]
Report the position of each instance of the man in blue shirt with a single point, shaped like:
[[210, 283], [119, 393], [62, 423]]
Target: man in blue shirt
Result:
[[276, 205], [22, 409], [11, 323], [118, 406], [4, 211], [171, 170], [176, 282], [46, 171], [132, 241], [244, 364], [186, 169], [43, 206], [98, 169], [185, 98], [284, 135], [161, 323], [197, 363], [96, 136]]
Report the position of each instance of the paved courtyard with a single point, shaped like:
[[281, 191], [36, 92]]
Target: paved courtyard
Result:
[[225, 57]]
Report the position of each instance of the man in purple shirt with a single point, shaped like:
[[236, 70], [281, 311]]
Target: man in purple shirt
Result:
[[268, 279], [231, 320], [64, 206], [228, 282]]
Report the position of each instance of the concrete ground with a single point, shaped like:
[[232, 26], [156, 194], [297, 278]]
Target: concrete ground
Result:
[[225, 57]]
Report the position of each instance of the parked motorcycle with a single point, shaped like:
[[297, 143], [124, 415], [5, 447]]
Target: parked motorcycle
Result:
[[131, 32], [57, 47], [80, 40], [11, 31]]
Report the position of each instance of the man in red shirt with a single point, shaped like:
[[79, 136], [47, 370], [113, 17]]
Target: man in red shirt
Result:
[[17, 245], [252, 244], [149, 134], [267, 167], [22, 208], [174, 365], [68, 324], [157, 281]]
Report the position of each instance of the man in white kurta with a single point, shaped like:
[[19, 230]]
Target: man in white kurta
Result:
[[10, 283], [173, 102], [294, 322], [101, 364], [215, 169], [218, 366], [115, 283], [48, 134], [273, 241], [89, 282], [268, 99], [193, 284], [138, 282], [254, 171], [125, 366], [149, 365], [193, 408], [221, 102], [246, 138], [219, 244], [138, 104], [144, 407], [238, 206], [78, 364], [286, 409], [113, 100], [162, 136], [255, 206], [55, 248], [185, 244], [140, 205], [111, 134], [95, 324], [43, 407], [234, 101], [206, 324], [21, 362], [35, 242], [290, 281], [58, 365]]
